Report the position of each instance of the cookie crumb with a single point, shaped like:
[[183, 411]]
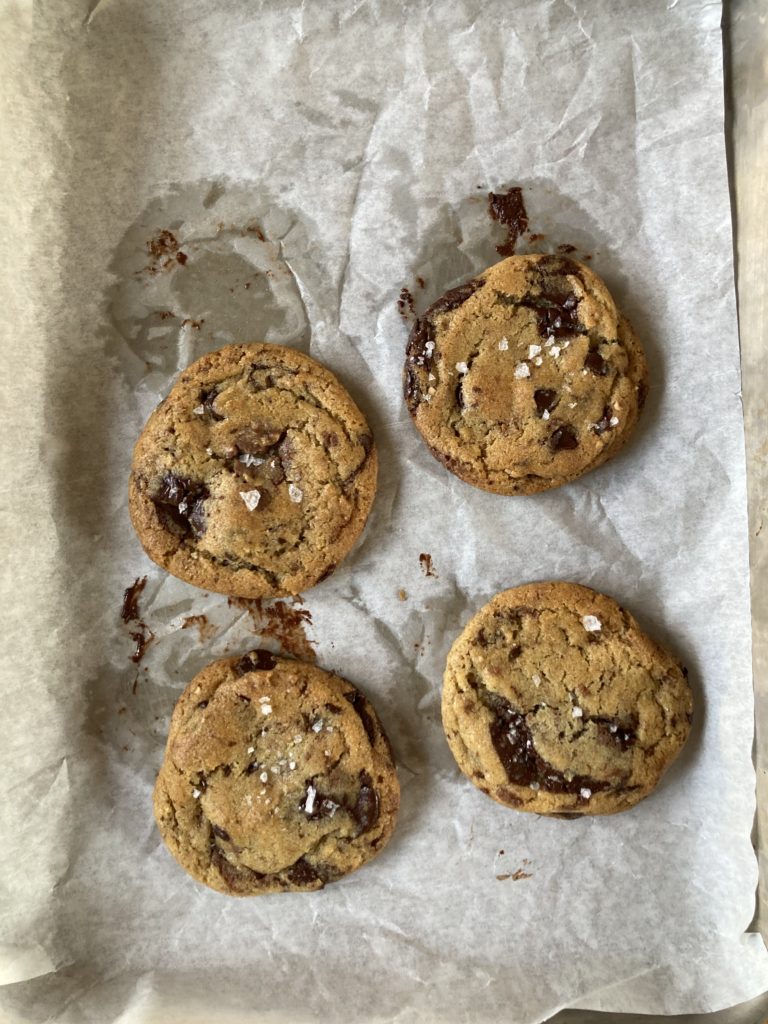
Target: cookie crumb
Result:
[[591, 623], [295, 493], [538, 361], [250, 750], [251, 498], [402, 595], [522, 370]]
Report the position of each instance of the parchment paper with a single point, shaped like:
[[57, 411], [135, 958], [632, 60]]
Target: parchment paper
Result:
[[360, 140]]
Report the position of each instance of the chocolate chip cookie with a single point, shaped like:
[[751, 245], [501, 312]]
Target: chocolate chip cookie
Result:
[[554, 701], [525, 377], [277, 777], [255, 476]]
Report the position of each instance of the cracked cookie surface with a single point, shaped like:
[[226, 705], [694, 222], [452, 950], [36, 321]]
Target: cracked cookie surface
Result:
[[277, 777], [554, 701], [525, 377], [256, 474]]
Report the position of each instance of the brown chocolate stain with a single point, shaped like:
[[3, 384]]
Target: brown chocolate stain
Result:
[[254, 229], [405, 305], [164, 252], [195, 324], [130, 609], [508, 209], [283, 621], [420, 282], [207, 630], [425, 561], [566, 248], [142, 636], [166, 314]]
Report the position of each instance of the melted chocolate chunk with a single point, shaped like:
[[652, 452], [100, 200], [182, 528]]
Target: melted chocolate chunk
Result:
[[366, 809], [302, 873], [642, 394], [459, 396], [454, 298], [360, 704], [333, 707], [317, 805], [612, 731], [181, 502], [556, 315], [257, 440], [207, 398], [256, 661], [220, 832], [563, 439], [604, 423], [508, 208], [238, 879], [595, 363], [546, 399], [513, 744], [130, 609]]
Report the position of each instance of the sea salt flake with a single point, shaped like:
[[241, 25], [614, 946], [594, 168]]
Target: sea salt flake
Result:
[[545, 414], [295, 493], [462, 368], [536, 679], [309, 803], [297, 738], [535, 785], [503, 345], [318, 725], [577, 713], [585, 793], [199, 410], [614, 421], [431, 376], [251, 498], [292, 765], [522, 370], [591, 623], [250, 460], [538, 361], [429, 348], [266, 709], [555, 351], [250, 750], [533, 350], [196, 794], [571, 405], [264, 777]]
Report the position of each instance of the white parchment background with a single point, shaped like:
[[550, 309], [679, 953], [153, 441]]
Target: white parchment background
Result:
[[355, 135]]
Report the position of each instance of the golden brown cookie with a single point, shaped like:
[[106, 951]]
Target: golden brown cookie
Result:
[[255, 476], [526, 377], [554, 701], [277, 777]]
